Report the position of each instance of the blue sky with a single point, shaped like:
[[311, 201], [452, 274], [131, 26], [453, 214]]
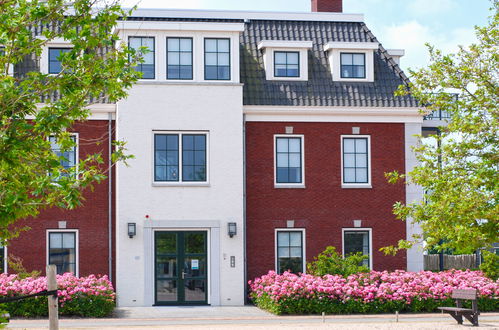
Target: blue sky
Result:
[[405, 24]]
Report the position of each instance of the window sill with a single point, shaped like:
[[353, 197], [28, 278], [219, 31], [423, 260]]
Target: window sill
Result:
[[289, 186], [180, 184], [356, 186], [287, 78]]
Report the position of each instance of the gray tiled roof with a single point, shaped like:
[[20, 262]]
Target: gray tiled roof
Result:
[[320, 89]]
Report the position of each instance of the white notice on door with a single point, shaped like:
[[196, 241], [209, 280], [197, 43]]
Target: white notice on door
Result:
[[194, 264]]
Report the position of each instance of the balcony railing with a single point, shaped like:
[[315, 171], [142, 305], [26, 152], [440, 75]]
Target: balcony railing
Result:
[[437, 115]]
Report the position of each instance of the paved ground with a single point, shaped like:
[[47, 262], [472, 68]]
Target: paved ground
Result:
[[245, 318]]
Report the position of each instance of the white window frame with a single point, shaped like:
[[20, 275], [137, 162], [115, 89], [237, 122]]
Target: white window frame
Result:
[[369, 169], [77, 149], [77, 246], [370, 231], [290, 185], [44, 57], [180, 182], [304, 247], [334, 50], [269, 47]]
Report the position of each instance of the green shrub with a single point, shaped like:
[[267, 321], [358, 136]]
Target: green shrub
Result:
[[490, 265], [330, 262]]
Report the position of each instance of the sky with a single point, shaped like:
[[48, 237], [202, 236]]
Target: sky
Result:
[[399, 24]]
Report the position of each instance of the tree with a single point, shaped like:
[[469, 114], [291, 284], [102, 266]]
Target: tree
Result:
[[36, 106], [458, 169]]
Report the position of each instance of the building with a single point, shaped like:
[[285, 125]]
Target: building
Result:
[[259, 139]]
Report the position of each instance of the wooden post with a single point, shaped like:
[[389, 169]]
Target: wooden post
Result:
[[53, 301]]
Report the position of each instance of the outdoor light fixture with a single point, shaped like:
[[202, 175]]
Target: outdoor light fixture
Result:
[[132, 229], [232, 229]]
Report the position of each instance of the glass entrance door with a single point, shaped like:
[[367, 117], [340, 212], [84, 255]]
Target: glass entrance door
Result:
[[181, 267]]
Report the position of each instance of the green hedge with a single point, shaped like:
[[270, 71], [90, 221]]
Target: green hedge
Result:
[[317, 305]]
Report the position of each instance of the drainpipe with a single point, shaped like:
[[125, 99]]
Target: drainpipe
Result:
[[110, 197], [244, 212]]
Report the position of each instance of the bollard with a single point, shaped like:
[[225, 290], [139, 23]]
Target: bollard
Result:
[[52, 301], [397, 316], [323, 317]]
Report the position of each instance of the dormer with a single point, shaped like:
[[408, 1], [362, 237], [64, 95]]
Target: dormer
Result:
[[285, 59], [351, 61]]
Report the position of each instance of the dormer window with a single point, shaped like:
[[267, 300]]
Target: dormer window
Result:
[[286, 64], [285, 59], [353, 65], [351, 61]]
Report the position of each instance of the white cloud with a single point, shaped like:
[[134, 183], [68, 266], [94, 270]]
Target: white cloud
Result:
[[425, 7], [412, 37]]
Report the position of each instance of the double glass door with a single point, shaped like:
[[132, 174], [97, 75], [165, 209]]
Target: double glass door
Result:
[[181, 267]]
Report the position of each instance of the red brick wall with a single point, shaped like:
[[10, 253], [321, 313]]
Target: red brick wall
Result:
[[91, 219], [327, 6], [323, 208]]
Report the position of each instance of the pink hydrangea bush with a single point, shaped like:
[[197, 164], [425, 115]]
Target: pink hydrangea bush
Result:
[[83, 296], [372, 292]]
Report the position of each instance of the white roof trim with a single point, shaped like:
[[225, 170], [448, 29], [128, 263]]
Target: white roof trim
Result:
[[230, 14], [396, 52], [350, 45], [180, 26], [284, 44]]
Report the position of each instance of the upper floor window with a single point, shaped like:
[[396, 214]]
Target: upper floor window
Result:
[[67, 158], [289, 167], [216, 59], [55, 65], [180, 157], [290, 247], [353, 65], [355, 160], [286, 64], [147, 67], [62, 251], [179, 58]]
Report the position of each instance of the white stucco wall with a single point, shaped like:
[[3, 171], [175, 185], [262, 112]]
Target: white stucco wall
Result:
[[415, 261], [210, 107]]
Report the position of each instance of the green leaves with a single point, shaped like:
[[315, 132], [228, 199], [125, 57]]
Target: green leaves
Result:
[[35, 105], [459, 166]]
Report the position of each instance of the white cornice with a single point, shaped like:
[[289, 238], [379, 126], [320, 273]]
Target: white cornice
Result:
[[333, 114], [284, 44], [180, 26], [350, 45], [248, 15]]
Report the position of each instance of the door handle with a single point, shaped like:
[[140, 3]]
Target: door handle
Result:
[[183, 275]]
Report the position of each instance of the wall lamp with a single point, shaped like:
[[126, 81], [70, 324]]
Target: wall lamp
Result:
[[232, 229], [132, 229]]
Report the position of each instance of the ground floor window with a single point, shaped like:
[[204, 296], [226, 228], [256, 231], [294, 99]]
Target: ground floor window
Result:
[[3, 258], [62, 249], [290, 247], [357, 241]]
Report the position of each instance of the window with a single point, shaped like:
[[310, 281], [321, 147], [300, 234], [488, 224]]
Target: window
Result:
[[67, 158], [286, 64], [147, 67], [216, 59], [55, 65], [169, 166], [3, 259], [353, 65], [355, 160], [62, 251], [289, 167], [355, 241], [179, 58], [290, 247]]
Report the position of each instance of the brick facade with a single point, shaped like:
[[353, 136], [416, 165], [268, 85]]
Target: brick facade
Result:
[[323, 208], [90, 219]]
